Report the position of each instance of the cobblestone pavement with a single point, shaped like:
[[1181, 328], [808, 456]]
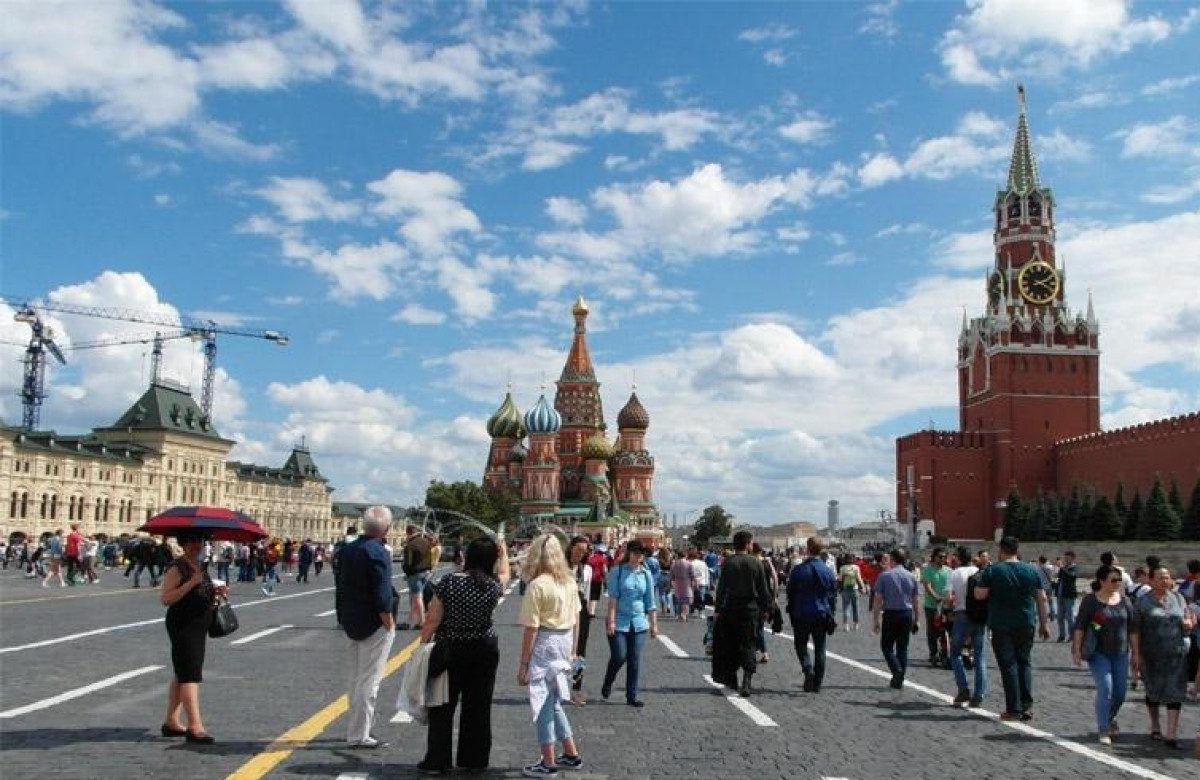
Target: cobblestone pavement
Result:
[[55, 642]]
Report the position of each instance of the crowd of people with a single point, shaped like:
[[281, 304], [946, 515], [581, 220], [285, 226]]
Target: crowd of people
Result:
[[1140, 630]]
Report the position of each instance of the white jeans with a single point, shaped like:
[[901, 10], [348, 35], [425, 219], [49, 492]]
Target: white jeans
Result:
[[366, 659]]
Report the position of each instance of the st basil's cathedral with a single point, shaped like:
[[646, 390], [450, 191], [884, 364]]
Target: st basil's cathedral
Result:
[[569, 473]]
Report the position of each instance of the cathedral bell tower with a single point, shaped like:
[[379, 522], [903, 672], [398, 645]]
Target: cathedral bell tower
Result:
[[1028, 368], [577, 399]]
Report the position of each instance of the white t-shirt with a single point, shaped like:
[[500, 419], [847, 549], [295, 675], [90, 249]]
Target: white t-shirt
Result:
[[90, 547], [958, 586], [701, 570]]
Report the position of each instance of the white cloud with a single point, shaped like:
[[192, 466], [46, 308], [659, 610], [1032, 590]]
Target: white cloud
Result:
[[300, 199], [977, 146], [545, 153], [808, 129], [1171, 137], [879, 169], [965, 251], [256, 63], [996, 36], [881, 19], [340, 22], [285, 300], [566, 211], [428, 204], [360, 270], [1097, 99], [773, 33], [163, 199], [776, 57], [1169, 85], [223, 140], [1167, 194], [416, 314], [1060, 147], [340, 418]]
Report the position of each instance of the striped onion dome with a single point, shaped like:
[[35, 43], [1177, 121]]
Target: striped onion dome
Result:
[[633, 415], [506, 422], [596, 448], [543, 418]]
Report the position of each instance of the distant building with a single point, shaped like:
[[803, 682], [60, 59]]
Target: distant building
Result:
[[570, 474], [833, 514], [161, 452], [1029, 389]]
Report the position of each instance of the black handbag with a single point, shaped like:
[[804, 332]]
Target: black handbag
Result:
[[224, 620], [830, 624]]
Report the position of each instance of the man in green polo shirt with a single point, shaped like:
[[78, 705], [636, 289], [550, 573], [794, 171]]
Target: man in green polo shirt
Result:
[[1016, 603], [935, 579]]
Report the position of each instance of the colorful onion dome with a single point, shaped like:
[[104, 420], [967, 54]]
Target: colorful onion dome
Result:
[[506, 422], [543, 418], [596, 448], [634, 415], [517, 453]]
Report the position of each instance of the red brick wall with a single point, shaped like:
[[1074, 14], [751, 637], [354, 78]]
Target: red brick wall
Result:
[[1133, 456], [952, 474]]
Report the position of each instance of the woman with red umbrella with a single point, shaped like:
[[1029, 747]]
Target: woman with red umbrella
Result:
[[188, 594]]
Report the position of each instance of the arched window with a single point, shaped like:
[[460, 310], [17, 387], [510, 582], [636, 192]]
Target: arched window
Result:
[[45, 504], [53, 507], [1035, 206], [106, 510], [12, 505], [24, 505], [96, 513]]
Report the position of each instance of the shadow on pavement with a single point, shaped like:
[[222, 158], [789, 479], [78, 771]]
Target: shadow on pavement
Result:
[[47, 739]]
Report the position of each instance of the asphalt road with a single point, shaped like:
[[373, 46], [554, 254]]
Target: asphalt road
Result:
[[84, 672]]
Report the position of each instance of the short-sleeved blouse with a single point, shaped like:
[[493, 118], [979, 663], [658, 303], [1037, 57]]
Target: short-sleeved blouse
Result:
[[468, 602]]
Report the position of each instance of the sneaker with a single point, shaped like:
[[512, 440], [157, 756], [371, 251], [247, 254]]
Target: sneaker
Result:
[[605, 691], [265, 592], [1113, 729], [1027, 715], [539, 770], [1008, 716], [976, 701], [1106, 740], [897, 681], [766, 658], [964, 696], [568, 762]]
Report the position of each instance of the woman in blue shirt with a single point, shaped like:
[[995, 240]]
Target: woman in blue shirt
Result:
[[631, 613]]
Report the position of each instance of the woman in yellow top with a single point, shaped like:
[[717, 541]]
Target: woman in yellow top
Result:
[[550, 615], [850, 583]]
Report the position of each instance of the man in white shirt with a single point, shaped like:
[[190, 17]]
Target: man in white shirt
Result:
[[702, 583], [963, 628]]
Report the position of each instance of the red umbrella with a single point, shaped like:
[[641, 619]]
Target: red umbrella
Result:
[[218, 522]]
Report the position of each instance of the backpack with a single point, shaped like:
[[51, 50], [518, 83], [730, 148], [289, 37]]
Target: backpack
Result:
[[977, 610]]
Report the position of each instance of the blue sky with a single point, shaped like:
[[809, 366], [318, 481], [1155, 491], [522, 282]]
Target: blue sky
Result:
[[776, 210]]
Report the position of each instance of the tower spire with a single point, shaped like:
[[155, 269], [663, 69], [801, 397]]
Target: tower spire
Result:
[[579, 361], [1022, 168]]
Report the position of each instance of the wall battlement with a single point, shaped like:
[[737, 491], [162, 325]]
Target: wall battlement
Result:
[[1158, 429], [959, 440]]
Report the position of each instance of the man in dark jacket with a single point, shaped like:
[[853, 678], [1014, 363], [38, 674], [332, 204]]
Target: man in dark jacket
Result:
[[742, 596], [811, 591], [1065, 593], [365, 604]]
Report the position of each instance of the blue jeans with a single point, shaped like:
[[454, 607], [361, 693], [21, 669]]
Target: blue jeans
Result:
[[850, 604], [1013, 647], [802, 631], [1111, 673], [271, 578], [962, 629], [625, 646], [1066, 616], [552, 724], [896, 630]]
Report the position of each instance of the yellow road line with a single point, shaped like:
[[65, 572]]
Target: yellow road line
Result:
[[299, 736], [78, 596]]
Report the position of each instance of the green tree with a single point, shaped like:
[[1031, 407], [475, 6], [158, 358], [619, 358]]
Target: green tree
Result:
[[1191, 519], [1087, 517], [1133, 518], [714, 521], [468, 498], [1052, 525], [1036, 519], [1016, 513], [1122, 508], [1072, 515], [1105, 521], [1175, 499], [1160, 521]]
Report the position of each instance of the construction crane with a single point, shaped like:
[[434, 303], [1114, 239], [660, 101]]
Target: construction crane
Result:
[[195, 328], [33, 386], [156, 353]]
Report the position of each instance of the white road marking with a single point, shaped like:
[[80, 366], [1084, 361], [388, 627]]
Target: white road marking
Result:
[[1074, 747], [674, 648], [68, 695], [759, 717], [402, 717], [260, 634], [353, 776], [152, 621], [326, 613]]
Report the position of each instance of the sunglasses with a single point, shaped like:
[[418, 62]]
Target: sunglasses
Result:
[[1115, 580]]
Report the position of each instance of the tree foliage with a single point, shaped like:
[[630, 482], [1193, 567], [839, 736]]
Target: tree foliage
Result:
[[487, 506], [1106, 524], [714, 521], [1191, 519], [1016, 513], [1133, 518], [1160, 522]]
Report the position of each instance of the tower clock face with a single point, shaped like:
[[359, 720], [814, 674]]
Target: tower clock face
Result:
[[1038, 282], [995, 288]]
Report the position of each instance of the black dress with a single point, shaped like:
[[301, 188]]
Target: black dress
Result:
[[742, 596], [187, 624]]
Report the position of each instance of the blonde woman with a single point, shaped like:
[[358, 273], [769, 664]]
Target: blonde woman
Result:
[[550, 616]]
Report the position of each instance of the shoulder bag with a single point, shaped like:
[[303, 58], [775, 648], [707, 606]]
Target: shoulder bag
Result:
[[224, 619]]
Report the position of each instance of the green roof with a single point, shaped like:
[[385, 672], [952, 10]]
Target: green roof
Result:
[[166, 407], [1022, 167]]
